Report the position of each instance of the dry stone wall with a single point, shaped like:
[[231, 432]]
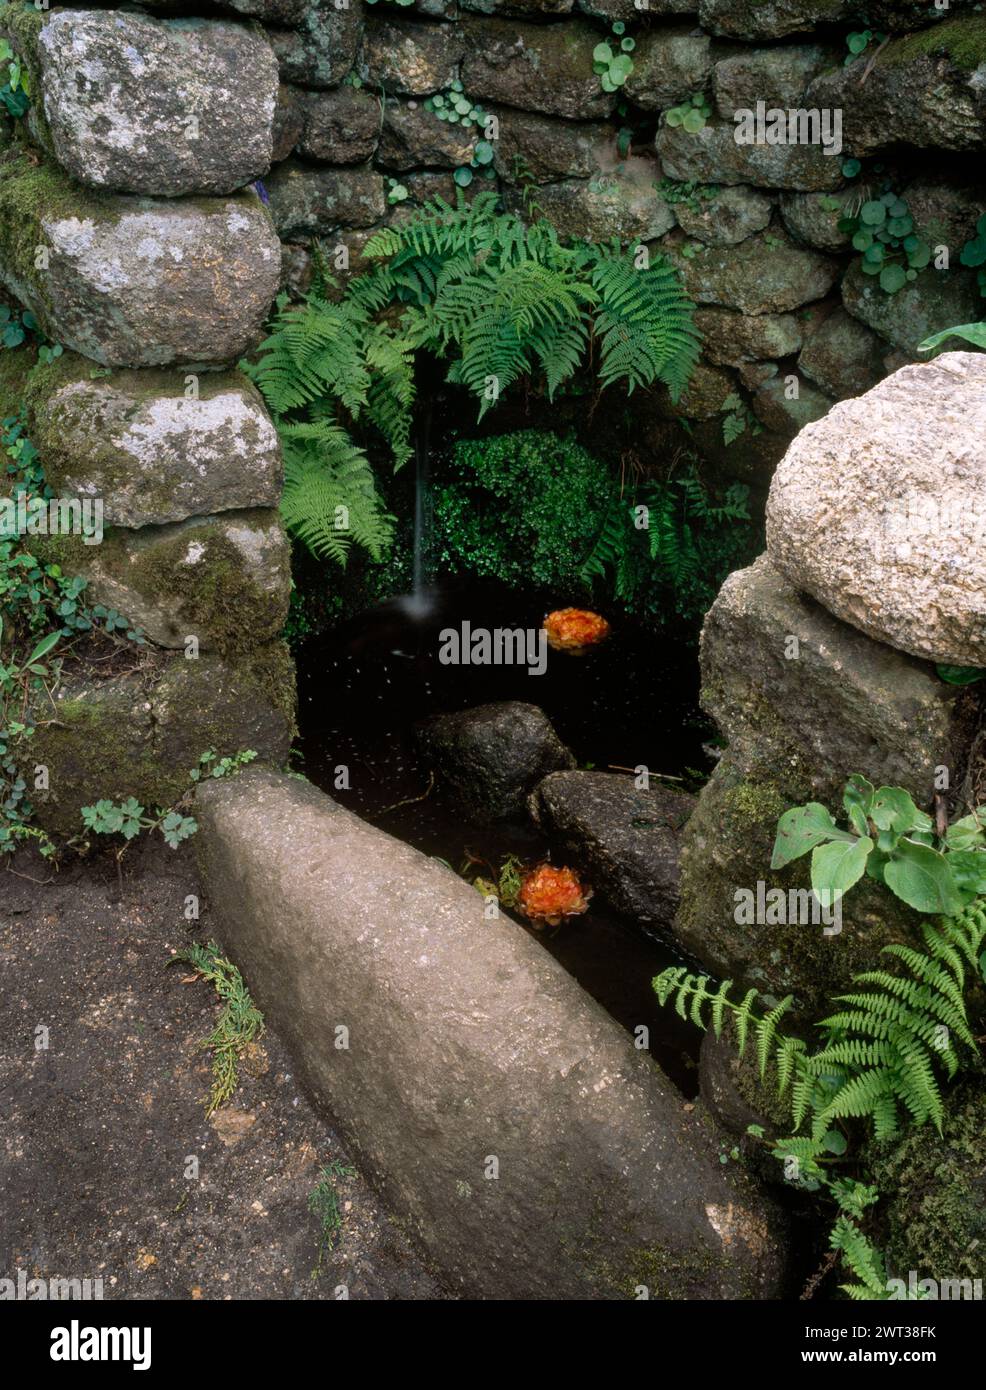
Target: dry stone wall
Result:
[[176, 167]]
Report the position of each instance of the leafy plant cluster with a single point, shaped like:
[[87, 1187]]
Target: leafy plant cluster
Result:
[[891, 841], [611, 59], [495, 299], [128, 818], [878, 1060], [689, 192], [973, 253], [240, 1022], [883, 230], [859, 41], [738, 417], [39, 608], [533, 507], [692, 115], [15, 94], [455, 108]]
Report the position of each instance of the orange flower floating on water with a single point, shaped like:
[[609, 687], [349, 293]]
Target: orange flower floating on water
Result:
[[575, 630], [548, 895]]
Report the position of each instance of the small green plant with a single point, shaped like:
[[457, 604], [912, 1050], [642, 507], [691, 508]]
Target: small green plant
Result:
[[738, 418], [891, 841], [323, 1203], [692, 115], [506, 887], [883, 230], [611, 60], [690, 193], [859, 42], [396, 192], [15, 94], [961, 675], [879, 1060], [454, 107], [240, 1022], [128, 818], [973, 253]]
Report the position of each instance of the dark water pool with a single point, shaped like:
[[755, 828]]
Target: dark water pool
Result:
[[363, 687]]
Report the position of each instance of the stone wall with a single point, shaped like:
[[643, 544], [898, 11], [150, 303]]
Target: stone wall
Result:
[[174, 171]]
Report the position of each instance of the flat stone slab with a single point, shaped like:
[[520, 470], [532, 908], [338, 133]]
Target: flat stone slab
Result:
[[137, 104], [134, 282], [879, 510], [527, 1145], [151, 451]]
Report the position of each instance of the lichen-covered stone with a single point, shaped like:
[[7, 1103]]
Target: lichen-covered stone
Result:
[[289, 121], [786, 403], [945, 211], [762, 275], [842, 356], [321, 49], [627, 9], [153, 446], [725, 219], [341, 126], [814, 219], [729, 338], [413, 138], [548, 150], [668, 66], [307, 201], [222, 579], [769, 19], [136, 104], [712, 155], [624, 203], [926, 89], [543, 68], [777, 76], [140, 733], [625, 837], [935, 300], [410, 58], [797, 725], [894, 482], [134, 282], [525, 9]]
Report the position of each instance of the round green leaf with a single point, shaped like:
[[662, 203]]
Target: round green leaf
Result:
[[873, 213], [893, 278], [463, 176]]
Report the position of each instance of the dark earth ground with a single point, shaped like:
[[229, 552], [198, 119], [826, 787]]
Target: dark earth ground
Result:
[[97, 1129]]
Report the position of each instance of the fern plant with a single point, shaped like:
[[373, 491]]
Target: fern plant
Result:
[[497, 300], [879, 1058]]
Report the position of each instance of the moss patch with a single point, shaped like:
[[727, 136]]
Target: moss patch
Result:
[[963, 40]]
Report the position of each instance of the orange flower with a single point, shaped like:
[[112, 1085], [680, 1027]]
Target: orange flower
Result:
[[575, 630], [547, 895]]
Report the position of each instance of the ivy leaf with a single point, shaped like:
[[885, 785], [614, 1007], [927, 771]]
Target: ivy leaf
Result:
[[920, 876]]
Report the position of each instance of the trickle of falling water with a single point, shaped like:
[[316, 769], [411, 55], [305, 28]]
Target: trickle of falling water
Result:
[[419, 602]]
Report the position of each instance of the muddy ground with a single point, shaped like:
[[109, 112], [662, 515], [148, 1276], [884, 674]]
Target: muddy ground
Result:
[[98, 1127]]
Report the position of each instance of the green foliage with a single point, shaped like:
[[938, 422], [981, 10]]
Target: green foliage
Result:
[[883, 230], [15, 94], [506, 887], [893, 842], [974, 333], [692, 115], [960, 675], [858, 42], [128, 818], [39, 609], [240, 1022], [323, 1202], [498, 300], [455, 108], [738, 417], [879, 1058], [611, 60], [563, 522], [691, 193], [973, 254]]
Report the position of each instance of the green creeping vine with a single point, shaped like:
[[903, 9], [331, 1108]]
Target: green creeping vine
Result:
[[879, 1056], [240, 1022], [495, 298]]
